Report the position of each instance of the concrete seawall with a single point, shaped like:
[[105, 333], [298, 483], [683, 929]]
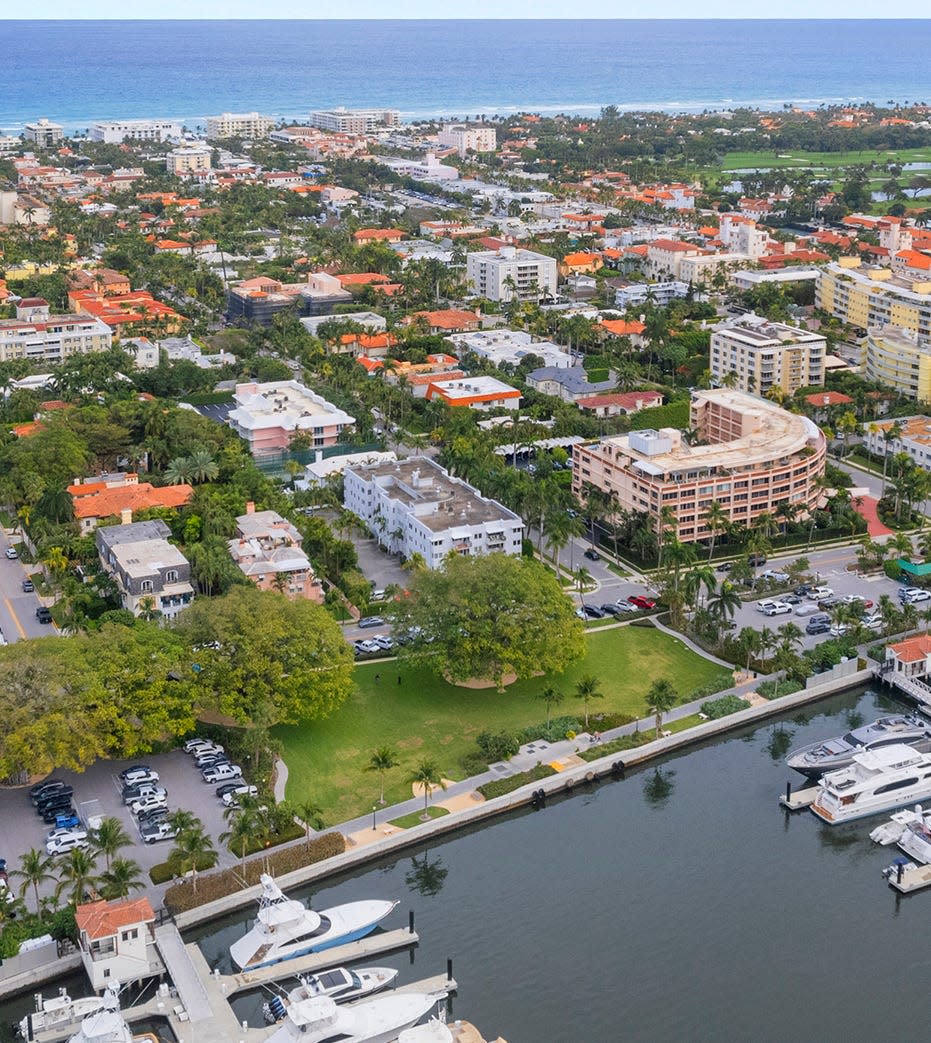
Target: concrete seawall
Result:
[[559, 783]]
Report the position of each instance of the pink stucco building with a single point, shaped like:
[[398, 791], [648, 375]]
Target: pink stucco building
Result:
[[269, 415]]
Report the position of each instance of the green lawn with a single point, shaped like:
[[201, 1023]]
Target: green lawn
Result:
[[415, 818], [744, 160], [423, 716]]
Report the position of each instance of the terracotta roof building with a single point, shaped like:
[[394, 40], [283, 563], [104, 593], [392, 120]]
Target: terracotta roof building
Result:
[[109, 497]]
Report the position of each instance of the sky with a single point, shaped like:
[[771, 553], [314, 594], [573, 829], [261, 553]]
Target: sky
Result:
[[168, 9]]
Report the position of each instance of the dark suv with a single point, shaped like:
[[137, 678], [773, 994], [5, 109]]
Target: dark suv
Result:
[[43, 614]]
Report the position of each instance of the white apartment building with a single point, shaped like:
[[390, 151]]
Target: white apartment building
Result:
[[427, 169], [238, 125], [190, 159], [43, 133], [53, 338], [115, 131], [465, 138], [510, 346], [659, 293], [665, 257], [914, 438], [416, 507], [501, 275], [764, 355], [354, 121]]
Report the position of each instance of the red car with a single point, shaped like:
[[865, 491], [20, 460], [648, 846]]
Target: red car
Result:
[[641, 602]]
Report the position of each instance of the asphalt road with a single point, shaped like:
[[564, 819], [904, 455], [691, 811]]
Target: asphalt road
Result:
[[17, 609]]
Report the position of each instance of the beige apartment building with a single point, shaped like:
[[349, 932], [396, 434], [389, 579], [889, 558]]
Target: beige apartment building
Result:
[[238, 125], [465, 138], [753, 457], [189, 160], [873, 296], [898, 359], [52, 338], [763, 355]]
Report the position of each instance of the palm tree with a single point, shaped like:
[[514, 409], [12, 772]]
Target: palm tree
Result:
[[181, 820], [202, 466], [293, 469], [661, 698], [178, 471], [34, 870], [382, 760], [716, 519], [311, 815], [192, 848], [750, 640], [724, 604], [426, 774], [586, 690], [77, 872], [583, 578], [552, 697], [109, 838], [120, 878], [790, 635], [242, 832], [148, 610]]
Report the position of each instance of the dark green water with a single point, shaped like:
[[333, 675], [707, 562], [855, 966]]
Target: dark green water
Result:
[[678, 903]]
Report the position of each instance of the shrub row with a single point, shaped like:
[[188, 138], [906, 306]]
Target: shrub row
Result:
[[182, 896], [775, 689], [625, 742], [498, 787], [727, 704], [165, 871]]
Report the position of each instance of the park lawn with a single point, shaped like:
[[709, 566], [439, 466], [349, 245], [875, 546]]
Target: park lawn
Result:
[[792, 158], [424, 717], [415, 818]]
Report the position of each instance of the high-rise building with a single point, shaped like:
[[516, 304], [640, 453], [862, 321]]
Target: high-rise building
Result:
[[502, 275], [354, 121], [763, 355], [43, 133], [116, 131], [238, 125]]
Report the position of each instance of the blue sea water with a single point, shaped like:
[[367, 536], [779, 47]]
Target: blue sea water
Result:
[[75, 72]]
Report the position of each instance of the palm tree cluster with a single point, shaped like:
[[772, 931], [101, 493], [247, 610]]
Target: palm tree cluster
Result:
[[195, 469]]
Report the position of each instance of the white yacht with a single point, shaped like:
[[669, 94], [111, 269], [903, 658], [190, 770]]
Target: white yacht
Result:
[[876, 781], [285, 927], [56, 1012], [817, 758], [106, 1024], [340, 984], [916, 841], [378, 1020], [434, 1031], [889, 832]]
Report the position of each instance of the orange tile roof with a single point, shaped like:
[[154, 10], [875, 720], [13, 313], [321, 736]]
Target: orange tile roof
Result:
[[912, 649], [448, 318], [104, 919], [375, 234], [361, 278], [914, 259], [828, 398], [579, 260], [109, 502], [623, 328]]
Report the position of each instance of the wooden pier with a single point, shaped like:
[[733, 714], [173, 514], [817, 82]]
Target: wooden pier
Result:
[[802, 798]]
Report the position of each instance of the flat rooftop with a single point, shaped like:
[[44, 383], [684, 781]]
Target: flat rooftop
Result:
[[757, 332], [914, 428], [438, 499], [286, 404]]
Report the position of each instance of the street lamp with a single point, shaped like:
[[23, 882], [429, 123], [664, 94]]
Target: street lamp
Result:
[[373, 815]]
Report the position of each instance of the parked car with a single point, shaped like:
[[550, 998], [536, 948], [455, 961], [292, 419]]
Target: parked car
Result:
[[149, 803], [43, 614], [222, 773], [56, 798], [371, 621], [818, 628], [129, 775], [153, 814], [593, 612], [52, 814], [60, 831], [756, 560], [856, 599], [610, 609], [368, 645], [840, 630], [11, 553], [790, 599], [807, 608], [193, 745], [767, 603], [907, 592], [42, 788], [874, 621], [378, 595], [66, 822], [592, 554], [213, 751], [817, 593], [725, 566], [829, 603], [778, 608], [228, 787], [384, 642], [158, 829], [775, 576], [67, 842], [203, 748], [28, 586], [641, 602], [803, 590], [231, 798], [132, 794], [919, 595], [212, 761]]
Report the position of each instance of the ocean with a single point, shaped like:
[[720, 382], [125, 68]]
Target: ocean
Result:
[[75, 72]]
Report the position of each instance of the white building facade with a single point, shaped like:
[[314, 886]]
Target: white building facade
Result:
[[764, 355], [43, 133], [501, 275], [238, 125], [465, 139], [53, 338], [113, 132], [354, 121]]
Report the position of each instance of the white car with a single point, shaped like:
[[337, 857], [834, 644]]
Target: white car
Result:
[[873, 621], [152, 832], [222, 773], [912, 598], [775, 575], [820, 593], [809, 608], [199, 745], [11, 553], [58, 845], [765, 606], [65, 831], [150, 803], [136, 776], [778, 608], [231, 799], [840, 630]]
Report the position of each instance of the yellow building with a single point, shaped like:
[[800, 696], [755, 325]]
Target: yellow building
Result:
[[868, 297], [190, 160], [899, 360]]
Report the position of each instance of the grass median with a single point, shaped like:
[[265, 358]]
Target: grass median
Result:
[[424, 717]]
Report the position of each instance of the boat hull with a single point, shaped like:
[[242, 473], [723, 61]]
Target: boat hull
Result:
[[295, 949], [830, 818]]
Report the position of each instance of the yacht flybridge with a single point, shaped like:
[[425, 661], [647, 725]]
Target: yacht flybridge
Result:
[[877, 780]]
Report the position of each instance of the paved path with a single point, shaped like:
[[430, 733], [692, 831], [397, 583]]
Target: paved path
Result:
[[689, 643]]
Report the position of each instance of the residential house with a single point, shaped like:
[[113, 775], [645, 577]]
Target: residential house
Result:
[[267, 549], [117, 941], [568, 384], [149, 572], [269, 415], [109, 495], [474, 393], [620, 403]]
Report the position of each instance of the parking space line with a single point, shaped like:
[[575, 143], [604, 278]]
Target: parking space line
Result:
[[19, 626]]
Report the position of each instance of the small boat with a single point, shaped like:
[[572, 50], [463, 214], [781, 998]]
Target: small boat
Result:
[[378, 1020], [831, 754], [916, 841], [889, 832], [55, 1012], [106, 1024], [898, 866], [340, 984], [286, 928], [876, 781]]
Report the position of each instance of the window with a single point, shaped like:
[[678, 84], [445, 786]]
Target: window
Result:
[[171, 576], [128, 936], [146, 586]]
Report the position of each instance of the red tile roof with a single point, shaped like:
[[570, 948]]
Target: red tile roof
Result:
[[828, 398], [104, 919], [631, 400], [104, 502], [912, 649], [623, 328]]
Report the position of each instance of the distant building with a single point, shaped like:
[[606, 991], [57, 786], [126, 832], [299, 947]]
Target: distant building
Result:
[[269, 415], [52, 338], [511, 346], [117, 941], [114, 132], [568, 384], [447, 320], [267, 550], [148, 570], [864, 297], [620, 403], [501, 275], [658, 293], [260, 299], [465, 138], [475, 393], [185, 349], [899, 359], [915, 438], [416, 507], [665, 257], [355, 121], [238, 125], [763, 355], [371, 320], [44, 133], [108, 496], [189, 159]]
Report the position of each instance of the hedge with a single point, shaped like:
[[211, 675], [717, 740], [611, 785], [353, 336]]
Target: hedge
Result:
[[498, 787], [165, 871], [727, 704], [181, 896], [625, 742]]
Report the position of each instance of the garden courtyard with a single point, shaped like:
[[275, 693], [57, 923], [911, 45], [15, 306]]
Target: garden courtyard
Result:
[[425, 717]]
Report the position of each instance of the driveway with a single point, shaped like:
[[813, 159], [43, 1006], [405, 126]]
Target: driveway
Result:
[[21, 828], [17, 609]]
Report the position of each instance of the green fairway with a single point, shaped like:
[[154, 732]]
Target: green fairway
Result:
[[778, 160], [424, 717]]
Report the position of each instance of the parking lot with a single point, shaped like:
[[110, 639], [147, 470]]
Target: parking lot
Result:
[[21, 828]]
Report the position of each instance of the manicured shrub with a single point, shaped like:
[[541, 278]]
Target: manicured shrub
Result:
[[498, 787], [497, 746], [727, 704]]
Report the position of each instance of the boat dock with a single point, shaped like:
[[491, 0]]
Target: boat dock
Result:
[[915, 879], [801, 798], [910, 686]]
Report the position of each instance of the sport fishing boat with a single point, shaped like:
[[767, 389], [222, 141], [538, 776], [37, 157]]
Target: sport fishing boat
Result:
[[378, 1020], [340, 984], [876, 781], [286, 928], [889, 832], [831, 754], [107, 1024], [56, 1012], [916, 841]]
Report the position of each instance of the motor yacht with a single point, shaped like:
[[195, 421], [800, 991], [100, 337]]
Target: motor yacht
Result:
[[889, 832], [916, 841], [830, 754], [286, 928], [378, 1020], [340, 984], [876, 781]]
